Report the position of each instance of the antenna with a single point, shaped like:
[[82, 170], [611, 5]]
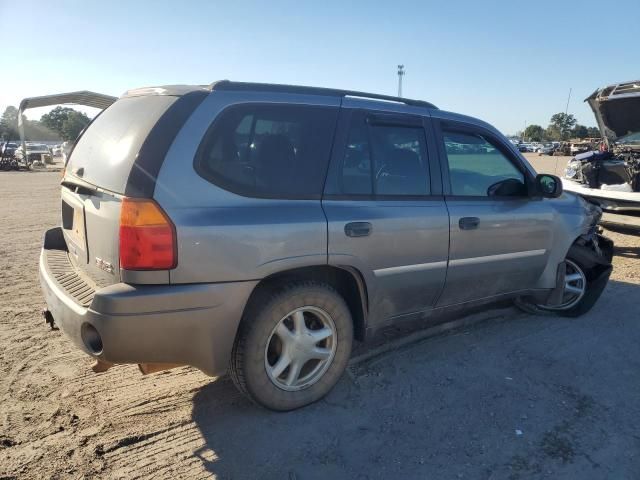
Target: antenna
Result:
[[566, 110]]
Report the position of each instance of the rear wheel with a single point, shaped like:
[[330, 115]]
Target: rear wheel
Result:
[[292, 346]]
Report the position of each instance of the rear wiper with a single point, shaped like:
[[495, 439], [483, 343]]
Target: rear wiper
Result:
[[78, 186]]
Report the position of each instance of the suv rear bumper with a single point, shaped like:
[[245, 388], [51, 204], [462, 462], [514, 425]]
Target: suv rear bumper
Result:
[[191, 324]]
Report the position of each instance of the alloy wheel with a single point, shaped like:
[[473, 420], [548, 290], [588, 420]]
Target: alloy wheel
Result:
[[575, 286], [300, 348]]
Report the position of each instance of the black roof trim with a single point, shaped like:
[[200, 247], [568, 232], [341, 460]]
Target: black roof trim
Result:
[[278, 88], [146, 167]]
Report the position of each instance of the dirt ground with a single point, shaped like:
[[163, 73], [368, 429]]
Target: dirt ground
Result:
[[513, 397]]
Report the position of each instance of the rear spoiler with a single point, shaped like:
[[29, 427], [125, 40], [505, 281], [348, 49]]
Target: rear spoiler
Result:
[[89, 99]]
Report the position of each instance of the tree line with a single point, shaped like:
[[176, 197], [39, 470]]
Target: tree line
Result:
[[61, 123], [562, 126]]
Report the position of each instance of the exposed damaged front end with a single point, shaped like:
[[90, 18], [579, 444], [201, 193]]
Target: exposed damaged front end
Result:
[[606, 170], [611, 177]]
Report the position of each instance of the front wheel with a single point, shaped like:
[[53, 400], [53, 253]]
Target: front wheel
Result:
[[292, 346], [584, 282]]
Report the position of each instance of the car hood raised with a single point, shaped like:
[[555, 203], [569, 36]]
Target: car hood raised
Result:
[[617, 109]]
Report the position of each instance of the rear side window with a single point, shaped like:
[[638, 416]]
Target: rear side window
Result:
[[108, 148], [385, 160], [356, 167], [274, 151]]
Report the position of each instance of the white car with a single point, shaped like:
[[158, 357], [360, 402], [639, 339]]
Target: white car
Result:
[[577, 148], [536, 146], [56, 150], [35, 152], [546, 149]]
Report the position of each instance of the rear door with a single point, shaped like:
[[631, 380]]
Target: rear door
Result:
[[500, 240], [386, 214]]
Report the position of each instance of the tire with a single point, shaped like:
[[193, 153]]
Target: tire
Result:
[[308, 310], [593, 282]]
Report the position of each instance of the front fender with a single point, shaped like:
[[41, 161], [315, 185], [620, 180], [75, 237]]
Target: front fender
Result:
[[575, 220]]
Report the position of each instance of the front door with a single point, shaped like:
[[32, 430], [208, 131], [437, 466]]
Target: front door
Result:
[[386, 214], [500, 236]]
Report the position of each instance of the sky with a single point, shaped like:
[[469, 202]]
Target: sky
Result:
[[504, 62]]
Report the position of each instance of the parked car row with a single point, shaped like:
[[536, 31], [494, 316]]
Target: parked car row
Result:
[[558, 148], [541, 148], [13, 156]]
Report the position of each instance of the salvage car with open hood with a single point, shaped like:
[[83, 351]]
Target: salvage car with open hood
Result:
[[611, 176]]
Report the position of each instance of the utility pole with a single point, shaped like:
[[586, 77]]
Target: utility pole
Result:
[[400, 75], [566, 110]]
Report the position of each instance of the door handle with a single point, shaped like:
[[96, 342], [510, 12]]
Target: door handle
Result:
[[357, 229], [468, 223]]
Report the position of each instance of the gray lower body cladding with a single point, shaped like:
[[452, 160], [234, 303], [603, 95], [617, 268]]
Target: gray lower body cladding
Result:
[[192, 324]]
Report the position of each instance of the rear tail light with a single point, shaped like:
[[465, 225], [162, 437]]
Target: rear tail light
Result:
[[147, 236]]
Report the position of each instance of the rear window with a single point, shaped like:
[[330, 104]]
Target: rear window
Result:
[[273, 151], [108, 148]]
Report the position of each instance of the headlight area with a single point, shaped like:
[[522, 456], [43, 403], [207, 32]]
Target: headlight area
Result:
[[572, 170]]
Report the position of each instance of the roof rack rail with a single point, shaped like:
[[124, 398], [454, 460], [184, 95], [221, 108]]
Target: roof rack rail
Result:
[[279, 88]]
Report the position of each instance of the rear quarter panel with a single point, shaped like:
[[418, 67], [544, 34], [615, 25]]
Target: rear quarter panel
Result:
[[226, 237]]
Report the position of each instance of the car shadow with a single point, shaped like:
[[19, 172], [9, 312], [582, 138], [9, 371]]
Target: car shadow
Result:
[[485, 401], [627, 252]]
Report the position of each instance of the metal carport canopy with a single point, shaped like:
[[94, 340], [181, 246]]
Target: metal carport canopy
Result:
[[90, 99], [84, 97]]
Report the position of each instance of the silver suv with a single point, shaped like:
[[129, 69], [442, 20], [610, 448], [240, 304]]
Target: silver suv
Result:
[[258, 229]]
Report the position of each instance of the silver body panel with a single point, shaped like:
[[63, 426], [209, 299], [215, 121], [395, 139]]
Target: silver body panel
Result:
[[184, 325], [404, 260], [223, 236], [481, 262]]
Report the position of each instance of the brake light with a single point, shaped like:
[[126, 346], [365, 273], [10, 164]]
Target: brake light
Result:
[[147, 236]]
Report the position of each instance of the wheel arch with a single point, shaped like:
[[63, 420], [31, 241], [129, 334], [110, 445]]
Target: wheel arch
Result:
[[346, 280], [585, 249]]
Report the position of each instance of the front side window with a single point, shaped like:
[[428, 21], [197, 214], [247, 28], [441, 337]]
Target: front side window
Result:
[[277, 151], [385, 160], [478, 168]]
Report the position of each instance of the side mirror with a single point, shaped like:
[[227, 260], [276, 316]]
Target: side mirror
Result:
[[548, 186]]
